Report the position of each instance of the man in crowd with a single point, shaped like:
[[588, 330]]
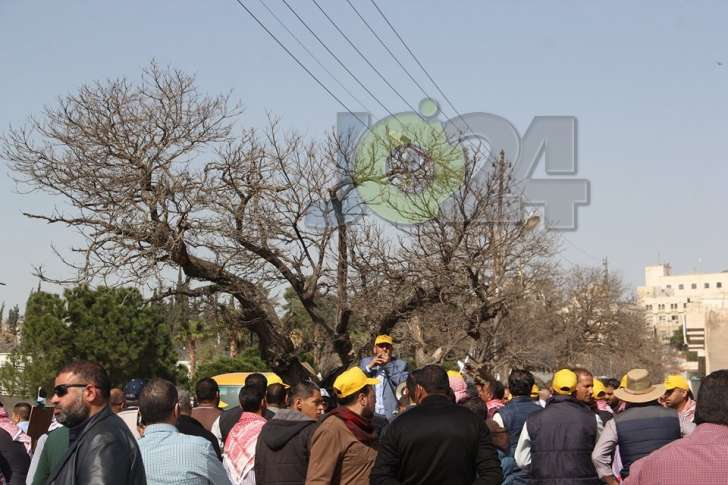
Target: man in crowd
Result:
[[585, 392], [643, 427], [389, 372], [436, 441], [186, 424], [275, 397], [169, 456], [130, 414], [222, 425], [679, 397], [117, 402], [21, 416], [556, 443], [512, 417], [700, 457], [281, 455], [600, 401], [492, 392], [239, 457], [14, 450], [611, 385], [208, 399], [343, 445], [101, 451]]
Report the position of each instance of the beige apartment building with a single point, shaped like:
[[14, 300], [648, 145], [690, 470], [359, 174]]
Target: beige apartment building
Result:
[[666, 297]]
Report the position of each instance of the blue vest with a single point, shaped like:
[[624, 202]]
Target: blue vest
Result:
[[642, 430], [514, 415], [563, 436]]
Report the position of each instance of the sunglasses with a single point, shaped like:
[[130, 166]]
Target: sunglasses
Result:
[[62, 389]]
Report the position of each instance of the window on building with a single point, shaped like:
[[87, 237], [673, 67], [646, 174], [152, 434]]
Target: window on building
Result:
[[668, 286], [693, 286], [719, 285], [674, 317], [706, 285], [681, 287], [685, 305]]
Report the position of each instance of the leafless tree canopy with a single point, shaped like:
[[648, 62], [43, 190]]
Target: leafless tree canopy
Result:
[[154, 176]]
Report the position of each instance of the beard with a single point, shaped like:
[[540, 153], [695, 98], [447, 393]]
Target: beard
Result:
[[74, 414]]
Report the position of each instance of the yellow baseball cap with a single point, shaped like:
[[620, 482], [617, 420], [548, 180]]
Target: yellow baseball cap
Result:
[[599, 388], [623, 382], [564, 382], [275, 379], [383, 339], [454, 373], [676, 381], [351, 381], [534, 390]]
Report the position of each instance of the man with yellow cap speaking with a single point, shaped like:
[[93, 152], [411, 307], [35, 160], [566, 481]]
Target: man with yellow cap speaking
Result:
[[389, 370], [556, 442], [342, 447], [679, 397]]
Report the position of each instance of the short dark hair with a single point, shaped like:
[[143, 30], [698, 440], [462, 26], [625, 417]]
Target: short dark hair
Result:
[[581, 371], [520, 382], [207, 389], [432, 378], [276, 394], [712, 403], [302, 390], [613, 383], [92, 373], [250, 398], [477, 406], [22, 409], [258, 380], [185, 401], [351, 398], [497, 389], [157, 401]]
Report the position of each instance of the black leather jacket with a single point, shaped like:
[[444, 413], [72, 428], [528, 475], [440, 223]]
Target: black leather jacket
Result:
[[105, 453]]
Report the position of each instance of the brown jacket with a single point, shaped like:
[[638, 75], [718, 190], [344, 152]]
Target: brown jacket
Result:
[[337, 457], [206, 415]]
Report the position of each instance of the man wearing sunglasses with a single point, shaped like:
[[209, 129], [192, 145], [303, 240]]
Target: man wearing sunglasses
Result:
[[102, 450]]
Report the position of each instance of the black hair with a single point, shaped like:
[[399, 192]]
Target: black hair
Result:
[[258, 380], [712, 404], [611, 382], [477, 406], [432, 378], [207, 390], [22, 409], [520, 382], [157, 401], [498, 389], [91, 373], [251, 398], [276, 395], [302, 390]]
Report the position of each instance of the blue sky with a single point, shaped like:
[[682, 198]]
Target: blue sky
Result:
[[644, 79]]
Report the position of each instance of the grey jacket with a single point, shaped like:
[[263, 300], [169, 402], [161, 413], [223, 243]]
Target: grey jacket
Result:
[[395, 372]]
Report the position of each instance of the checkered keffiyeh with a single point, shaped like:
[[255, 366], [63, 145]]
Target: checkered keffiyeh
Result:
[[240, 447]]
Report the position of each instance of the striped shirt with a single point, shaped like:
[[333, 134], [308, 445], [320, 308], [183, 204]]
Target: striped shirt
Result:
[[171, 457]]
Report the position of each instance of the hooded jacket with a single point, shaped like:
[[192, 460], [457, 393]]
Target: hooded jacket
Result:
[[281, 455]]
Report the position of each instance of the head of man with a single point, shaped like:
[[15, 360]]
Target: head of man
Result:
[[491, 389], [306, 399], [427, 381], [158, 403], [355, 391], [382, 352], [276, 395], [258, 380], [544, 394], [677, 392], [520, 382], [21, 412], [81, 390], [252, 399], [184, 399], [584, 385], [207, 392], [117, 400], [611, 385], [712, 402]]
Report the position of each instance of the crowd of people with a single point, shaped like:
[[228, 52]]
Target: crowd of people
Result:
[[379, 424]]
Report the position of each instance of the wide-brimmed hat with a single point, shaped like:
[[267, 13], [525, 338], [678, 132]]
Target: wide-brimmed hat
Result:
[[638, 388]]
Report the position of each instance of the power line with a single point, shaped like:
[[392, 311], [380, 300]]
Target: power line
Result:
[[437, 86], [300, 63], [364, 57], [341, 63], [396, 59], [313, 56]]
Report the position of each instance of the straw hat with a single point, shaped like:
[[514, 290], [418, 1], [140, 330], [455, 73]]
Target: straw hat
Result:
[[638, 388]]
